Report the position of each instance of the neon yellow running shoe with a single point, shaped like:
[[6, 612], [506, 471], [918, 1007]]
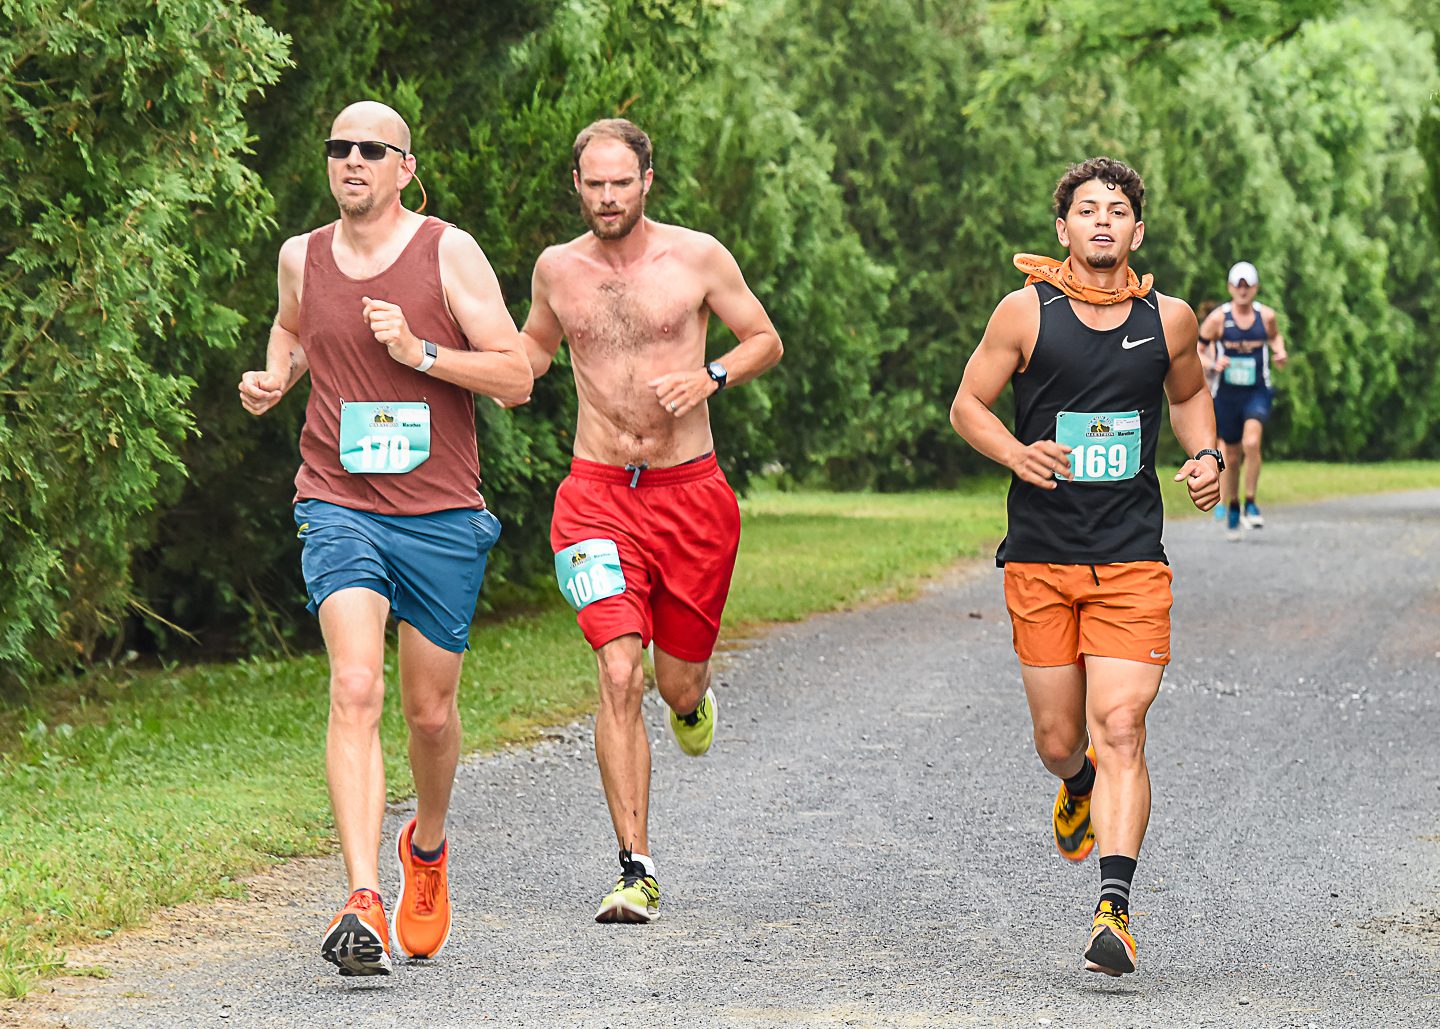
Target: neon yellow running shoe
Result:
[[696, 731], [1074, 837], [636, 896]]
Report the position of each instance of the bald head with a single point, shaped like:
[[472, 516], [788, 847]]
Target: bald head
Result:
[[370, 119]]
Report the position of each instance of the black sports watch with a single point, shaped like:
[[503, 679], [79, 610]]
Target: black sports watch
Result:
[[1219, 458], [717, 373]]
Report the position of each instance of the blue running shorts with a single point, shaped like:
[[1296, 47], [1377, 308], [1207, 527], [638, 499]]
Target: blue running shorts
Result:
[[1235, 407], [428, 566]]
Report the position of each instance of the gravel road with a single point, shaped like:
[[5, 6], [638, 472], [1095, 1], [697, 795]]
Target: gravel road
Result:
[[868, 843]]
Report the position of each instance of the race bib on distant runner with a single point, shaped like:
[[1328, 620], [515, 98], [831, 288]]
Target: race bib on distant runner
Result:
[[589, 571], [1241, 371], [385, 438], [1104, 446]]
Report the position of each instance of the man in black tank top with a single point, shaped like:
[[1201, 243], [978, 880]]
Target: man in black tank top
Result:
[[1091, 351]]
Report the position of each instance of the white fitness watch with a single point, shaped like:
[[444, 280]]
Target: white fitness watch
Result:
[[431, 352]]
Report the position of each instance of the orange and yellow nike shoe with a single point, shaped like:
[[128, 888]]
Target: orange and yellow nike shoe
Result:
[[1111, 950], [1074, 837]]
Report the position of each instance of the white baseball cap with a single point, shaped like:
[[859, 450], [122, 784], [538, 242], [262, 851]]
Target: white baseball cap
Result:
[[1244, 271]]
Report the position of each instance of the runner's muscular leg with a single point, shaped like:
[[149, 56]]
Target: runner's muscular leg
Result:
[[621, 746], [1250, 444], [353, 623], [429, 680], [682, 684], [1119, 696], [1057, 712]]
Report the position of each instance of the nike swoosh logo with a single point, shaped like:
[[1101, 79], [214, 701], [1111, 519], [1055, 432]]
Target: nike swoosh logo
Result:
[[1155, 655], [1131, 344]]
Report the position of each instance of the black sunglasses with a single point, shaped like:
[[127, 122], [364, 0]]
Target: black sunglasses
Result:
[[370, 149]]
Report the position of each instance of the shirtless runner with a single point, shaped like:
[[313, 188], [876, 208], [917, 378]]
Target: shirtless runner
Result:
[[646, 527]]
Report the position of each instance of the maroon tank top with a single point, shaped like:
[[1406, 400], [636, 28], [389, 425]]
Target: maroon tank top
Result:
[[346, 363]]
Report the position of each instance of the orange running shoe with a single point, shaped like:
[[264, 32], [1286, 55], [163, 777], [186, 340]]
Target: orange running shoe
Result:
[[1111, 949], [422, 914], [1070, 822], [358, 940]]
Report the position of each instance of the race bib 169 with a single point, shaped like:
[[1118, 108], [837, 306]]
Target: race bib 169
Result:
[[1104, 445]]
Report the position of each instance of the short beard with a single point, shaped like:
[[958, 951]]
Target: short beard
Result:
[[1102, 261], [359, 208], [620, 229]]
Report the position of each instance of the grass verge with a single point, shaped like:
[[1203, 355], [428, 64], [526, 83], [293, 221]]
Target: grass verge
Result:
[[156, 789]]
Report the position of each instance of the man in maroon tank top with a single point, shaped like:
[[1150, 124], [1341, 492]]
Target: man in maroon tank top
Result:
[[645, 526], [399, 320]]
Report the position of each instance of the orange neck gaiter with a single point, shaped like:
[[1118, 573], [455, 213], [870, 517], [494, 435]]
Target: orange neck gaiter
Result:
[[1060, 274]]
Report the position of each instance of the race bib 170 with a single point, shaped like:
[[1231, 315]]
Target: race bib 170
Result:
[[384, 438]]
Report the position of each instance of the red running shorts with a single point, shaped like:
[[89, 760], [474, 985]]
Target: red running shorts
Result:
[[677, 531]]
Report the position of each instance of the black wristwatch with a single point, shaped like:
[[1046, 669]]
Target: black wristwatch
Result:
[[1219, 458], [717, 372]]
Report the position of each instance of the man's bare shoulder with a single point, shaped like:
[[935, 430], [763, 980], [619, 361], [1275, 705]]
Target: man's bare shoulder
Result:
[[557, 258], [1020, 307], [1015, 322], [292, 254], [295, 246], [690, 244], [559, 255], [1017, 300], [1181, 328], [456, 242]]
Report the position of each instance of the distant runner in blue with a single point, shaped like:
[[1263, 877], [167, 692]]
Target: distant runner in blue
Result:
[[1247, 342]]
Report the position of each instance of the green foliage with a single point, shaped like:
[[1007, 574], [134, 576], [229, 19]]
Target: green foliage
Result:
[[126, 201], [1302, 158], [1280, 132], [873, 167], [885, 85]]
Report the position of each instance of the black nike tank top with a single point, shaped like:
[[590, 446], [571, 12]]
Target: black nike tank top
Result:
[[1077, 368]]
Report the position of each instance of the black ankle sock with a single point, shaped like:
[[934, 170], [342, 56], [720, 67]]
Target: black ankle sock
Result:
[[1235, 505], [428, 856], [1082, 782], [1116, 874]]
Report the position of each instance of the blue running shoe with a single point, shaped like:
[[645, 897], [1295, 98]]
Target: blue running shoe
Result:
[[1219, 513], [1232, 522], [1251, 518]]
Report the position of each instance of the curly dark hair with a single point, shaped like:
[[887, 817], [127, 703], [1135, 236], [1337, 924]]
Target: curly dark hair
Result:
[[1116, 173], [622, 129]]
